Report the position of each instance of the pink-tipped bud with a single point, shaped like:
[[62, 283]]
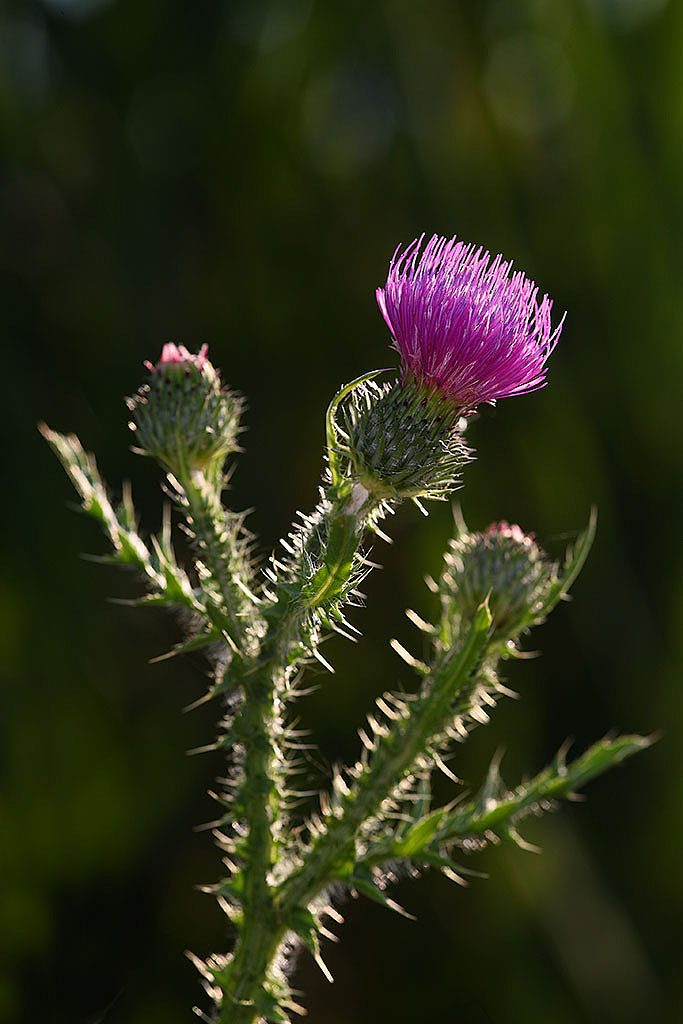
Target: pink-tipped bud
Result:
[[183, 416]]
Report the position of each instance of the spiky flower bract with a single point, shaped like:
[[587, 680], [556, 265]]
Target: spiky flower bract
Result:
[[403, 442], [464, 324], [183, 416]]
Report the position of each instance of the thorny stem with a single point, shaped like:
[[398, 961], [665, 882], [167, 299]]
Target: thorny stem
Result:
[[396, 753], [334, 847], [254, 675], [207, 517], [261, 933]]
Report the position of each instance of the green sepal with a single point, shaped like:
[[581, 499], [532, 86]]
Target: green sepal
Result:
[[403, 441], [184, 418]]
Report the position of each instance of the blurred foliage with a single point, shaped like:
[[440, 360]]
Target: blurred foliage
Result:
[[239, 172]]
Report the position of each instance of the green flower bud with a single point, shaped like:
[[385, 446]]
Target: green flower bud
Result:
[[404, 441], [183, 416], [504, 565]]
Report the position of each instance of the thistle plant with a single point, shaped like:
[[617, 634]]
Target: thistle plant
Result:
[[468, 331]]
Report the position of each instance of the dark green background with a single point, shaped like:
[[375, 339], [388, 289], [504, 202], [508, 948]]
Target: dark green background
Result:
[[239, 173]]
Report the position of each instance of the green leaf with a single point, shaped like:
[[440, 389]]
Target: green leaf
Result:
[[420, 834], [194, 643], [268, 1007], [304, 924], [338, 558], [301, 921], [574, 563], [233, 887], [499, 815], [363, 882], [603, 755]]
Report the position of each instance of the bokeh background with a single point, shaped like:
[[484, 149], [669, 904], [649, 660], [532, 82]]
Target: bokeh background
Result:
[[239, 172]]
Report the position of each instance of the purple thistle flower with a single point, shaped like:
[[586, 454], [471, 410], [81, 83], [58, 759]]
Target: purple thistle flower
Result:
[[464, 324]]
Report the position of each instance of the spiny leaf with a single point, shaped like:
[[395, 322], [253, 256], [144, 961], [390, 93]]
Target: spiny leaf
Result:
[[365, 883], [304, 924], [498, 815], [419, 835], [167, 580], [573, 565], [269, 1007], [301, 921], [340, 554], [194, 643]]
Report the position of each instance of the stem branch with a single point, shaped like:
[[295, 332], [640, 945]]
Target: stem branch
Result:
[[395, 755]]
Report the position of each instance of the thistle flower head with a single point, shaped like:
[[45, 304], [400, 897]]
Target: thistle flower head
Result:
[[503, 564], [465, 324], [182, 415]]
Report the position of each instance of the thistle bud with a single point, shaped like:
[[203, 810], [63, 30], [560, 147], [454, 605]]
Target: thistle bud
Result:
[[183, 416], [404, 441], [504, 565]]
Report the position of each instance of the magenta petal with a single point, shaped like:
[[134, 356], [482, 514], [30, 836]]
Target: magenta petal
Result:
[[172, 354], [464, 323]]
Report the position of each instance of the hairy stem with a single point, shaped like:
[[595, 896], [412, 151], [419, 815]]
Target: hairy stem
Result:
[[335, 846], [262, 681], [216, 541]]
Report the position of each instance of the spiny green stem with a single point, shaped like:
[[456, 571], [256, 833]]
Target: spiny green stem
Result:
[[259, 798], [253, 673], [395, 755], [218, 550], [495, 812], [261, 931], [325, 861]]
